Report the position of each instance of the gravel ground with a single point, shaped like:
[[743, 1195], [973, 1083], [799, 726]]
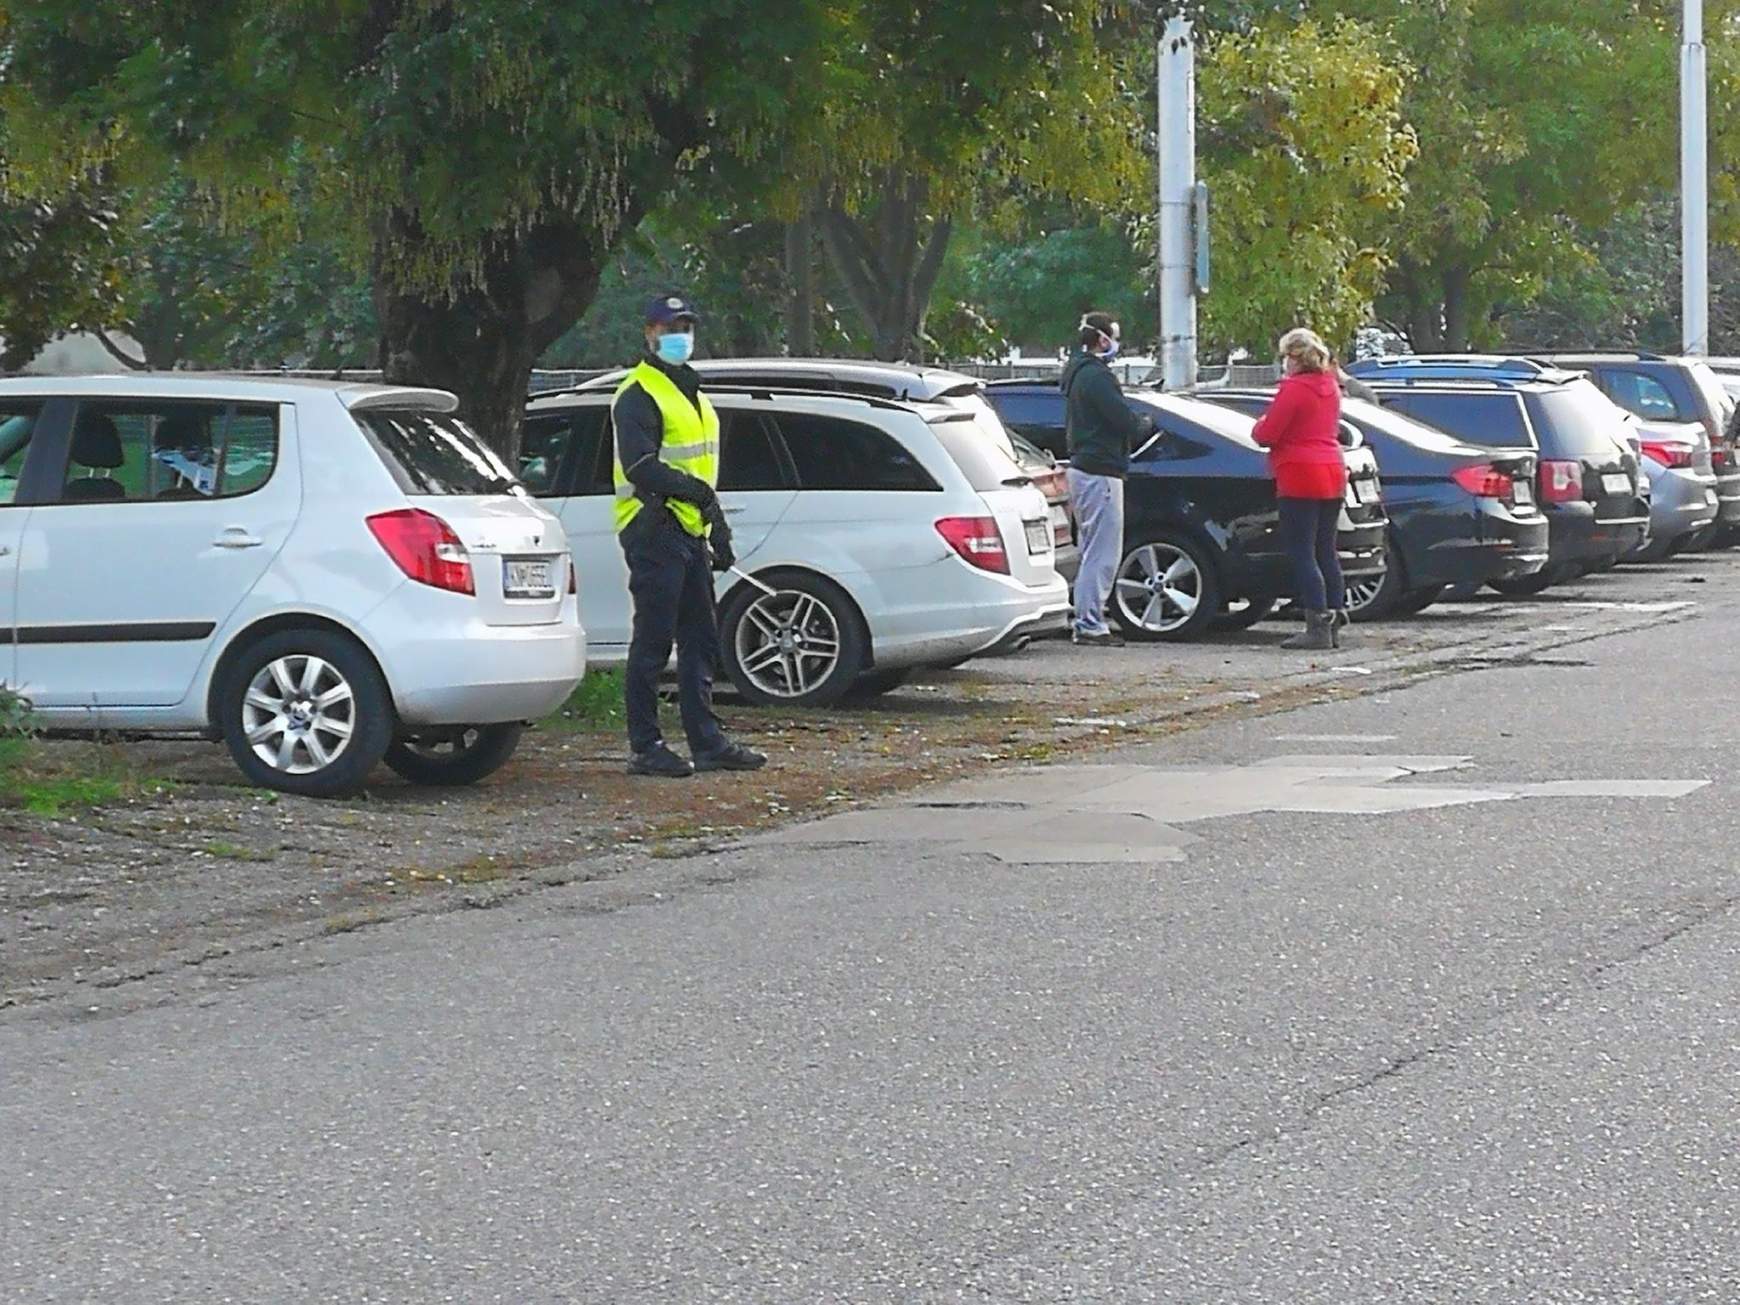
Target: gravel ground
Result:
[[205, 872]]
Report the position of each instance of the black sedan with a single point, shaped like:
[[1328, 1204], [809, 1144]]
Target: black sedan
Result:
[[1459, 514], [1201, 526]]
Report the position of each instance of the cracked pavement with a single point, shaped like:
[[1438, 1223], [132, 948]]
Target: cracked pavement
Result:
[[1479, 1044]]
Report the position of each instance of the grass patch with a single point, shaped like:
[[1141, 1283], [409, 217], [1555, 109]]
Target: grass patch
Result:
[[486, 868], [50, 782], [594, 706]]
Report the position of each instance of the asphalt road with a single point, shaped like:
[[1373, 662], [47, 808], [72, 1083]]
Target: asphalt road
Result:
[[1485, 1052]]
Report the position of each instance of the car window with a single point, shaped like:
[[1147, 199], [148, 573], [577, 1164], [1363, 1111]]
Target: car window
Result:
[[1035, 414], [833, 453], [1712, 391], [434, 453], [1494, 420], [984, 461], [1576, 421], [544, 445], [17, 424], [1644, 395], [748, 459], [147, 451]]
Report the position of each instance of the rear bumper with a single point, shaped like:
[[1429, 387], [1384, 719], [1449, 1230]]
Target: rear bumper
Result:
[[446, 669], [964, 613], [1577, 536], [1361, 548], [1728, 498], [1067, 560], [1682, 503]]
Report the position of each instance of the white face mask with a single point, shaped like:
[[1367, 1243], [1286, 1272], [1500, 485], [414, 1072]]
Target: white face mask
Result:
[[1112, 346]]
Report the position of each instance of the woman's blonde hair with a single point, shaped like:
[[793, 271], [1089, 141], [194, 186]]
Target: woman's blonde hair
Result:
[[1306, 348]]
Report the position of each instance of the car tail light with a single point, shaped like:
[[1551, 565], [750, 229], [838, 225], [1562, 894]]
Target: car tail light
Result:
[[1483, 480], [1720, 455], [1561, 482], [977, 540], [573, 578], [425, 548], [1669, 455]]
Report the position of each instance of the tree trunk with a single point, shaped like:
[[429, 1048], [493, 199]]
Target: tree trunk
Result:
[[889, 261], [800, 272], [1456, 309], [483, 342]]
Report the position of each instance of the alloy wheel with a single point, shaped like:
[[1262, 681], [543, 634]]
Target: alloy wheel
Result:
[[1159, 588], [787, 643], [299, 714], [1361, 593]]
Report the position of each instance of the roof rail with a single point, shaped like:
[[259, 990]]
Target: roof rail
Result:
[[755, 392], [1552, 356], [1460, 363]]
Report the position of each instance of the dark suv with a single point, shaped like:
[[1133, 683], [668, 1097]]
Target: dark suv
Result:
[[1658, 388], [1588, 479]]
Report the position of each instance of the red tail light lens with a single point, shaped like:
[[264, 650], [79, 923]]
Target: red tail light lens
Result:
[[977, 540], [424, 548], [1484, 480], [1720, 456], [1669, 455], [1561, 482]]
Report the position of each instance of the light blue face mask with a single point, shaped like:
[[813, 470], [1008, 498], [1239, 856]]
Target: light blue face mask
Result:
[[1112, 347], [676, 347]]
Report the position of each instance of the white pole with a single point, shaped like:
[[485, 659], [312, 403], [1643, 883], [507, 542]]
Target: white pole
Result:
[[1177, 140], [1694, 185]]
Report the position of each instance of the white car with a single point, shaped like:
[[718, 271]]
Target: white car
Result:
[[894, 535], [324, 575]]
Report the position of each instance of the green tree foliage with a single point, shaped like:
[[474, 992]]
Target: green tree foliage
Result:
[[1302, 141], [489, 154], [1538, 120], [1036, 290], [942, 111]]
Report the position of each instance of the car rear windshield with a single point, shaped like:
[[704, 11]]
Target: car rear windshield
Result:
[[1494, 420], [435, 453], [1370, 417], [1710, 386], [1169, 411], [977, 449], [1577, 421]]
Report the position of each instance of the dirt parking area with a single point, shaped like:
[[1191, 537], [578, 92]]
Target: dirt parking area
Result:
[[193, 870]]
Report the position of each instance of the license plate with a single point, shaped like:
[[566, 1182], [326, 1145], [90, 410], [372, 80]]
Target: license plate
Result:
[[1521, 492], [1616, 482], [1369, 491], [1059, 517], [1038, 536], [528, 577]]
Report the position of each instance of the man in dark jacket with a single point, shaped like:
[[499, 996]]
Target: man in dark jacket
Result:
[[1101, 428]]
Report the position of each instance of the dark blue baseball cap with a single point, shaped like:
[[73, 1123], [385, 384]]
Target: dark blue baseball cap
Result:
[[662, 310]]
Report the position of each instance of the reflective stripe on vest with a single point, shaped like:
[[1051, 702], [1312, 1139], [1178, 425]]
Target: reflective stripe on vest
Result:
[[691, 444]]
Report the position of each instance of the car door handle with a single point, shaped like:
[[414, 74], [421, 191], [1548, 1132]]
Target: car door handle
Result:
[[237, 537]]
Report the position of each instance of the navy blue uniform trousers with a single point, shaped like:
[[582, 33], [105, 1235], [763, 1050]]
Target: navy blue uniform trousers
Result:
[[670, 578]]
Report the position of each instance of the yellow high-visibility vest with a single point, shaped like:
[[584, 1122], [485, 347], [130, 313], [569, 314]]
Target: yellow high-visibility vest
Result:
[[691, 444]]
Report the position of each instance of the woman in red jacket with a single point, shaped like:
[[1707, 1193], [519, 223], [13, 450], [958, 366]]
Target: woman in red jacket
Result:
[[1300, 430]]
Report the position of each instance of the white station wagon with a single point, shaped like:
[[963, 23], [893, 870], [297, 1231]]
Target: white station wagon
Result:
[[892, 535], [322, 574]]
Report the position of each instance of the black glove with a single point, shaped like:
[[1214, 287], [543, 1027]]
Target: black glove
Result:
[[719, 539]]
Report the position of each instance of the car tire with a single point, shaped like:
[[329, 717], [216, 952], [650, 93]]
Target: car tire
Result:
[[306, 711], [1140, 602], [1415, 601], [873, 684], [456, 757], [1659, 550], [828, 644], [1526, 586], [1255, 611]]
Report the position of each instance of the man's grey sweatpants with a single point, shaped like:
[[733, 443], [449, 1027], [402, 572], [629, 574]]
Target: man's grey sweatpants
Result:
[[1099, 511]]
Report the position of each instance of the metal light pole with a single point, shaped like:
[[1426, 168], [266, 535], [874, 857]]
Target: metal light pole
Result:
[[1694, 185], [1177, 141]]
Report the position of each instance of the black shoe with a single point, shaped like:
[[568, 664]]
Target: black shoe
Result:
[[1110, 639], [659, 760], [733, 756]]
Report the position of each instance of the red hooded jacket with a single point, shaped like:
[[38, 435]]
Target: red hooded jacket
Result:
[[1300, 431]]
